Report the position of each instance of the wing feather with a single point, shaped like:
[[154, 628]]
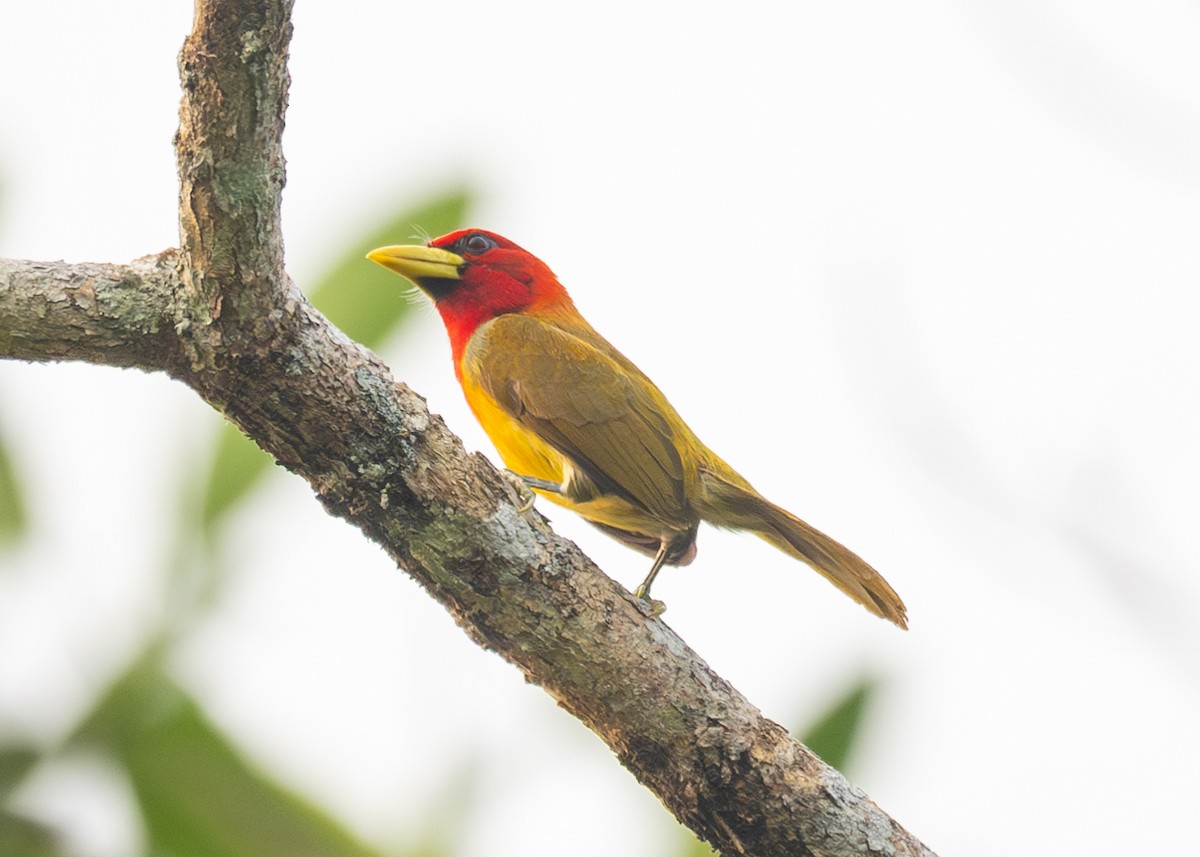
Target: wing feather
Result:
[[565, 386]]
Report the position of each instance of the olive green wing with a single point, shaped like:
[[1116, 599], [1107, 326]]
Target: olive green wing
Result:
[[599, 411]]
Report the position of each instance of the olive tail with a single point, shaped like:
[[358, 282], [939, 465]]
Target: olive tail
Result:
[[738, 506]]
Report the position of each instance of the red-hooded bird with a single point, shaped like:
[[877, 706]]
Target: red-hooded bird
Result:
[[583, 427]]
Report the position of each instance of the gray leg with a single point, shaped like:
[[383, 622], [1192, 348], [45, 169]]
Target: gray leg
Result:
[[643, 591], [540, 484]]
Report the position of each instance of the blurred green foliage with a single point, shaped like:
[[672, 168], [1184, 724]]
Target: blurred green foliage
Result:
[[13, 518], [237, 466], [23, 837], [835, 734], [12, 508], [20, 836], [16, 760], [197, 794], [367, 303]]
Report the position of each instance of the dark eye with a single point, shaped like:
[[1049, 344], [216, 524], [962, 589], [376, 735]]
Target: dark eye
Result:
[[476, 243]]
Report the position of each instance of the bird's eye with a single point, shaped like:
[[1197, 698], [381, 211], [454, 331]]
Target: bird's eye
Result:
[[477, 243]]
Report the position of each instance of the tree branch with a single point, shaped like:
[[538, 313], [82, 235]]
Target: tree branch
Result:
[[116, 315], [233, 68], [227, 322]]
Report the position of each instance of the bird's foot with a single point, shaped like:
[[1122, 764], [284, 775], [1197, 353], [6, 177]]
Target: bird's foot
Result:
[[527, 496], [525, 483], [653, 606]]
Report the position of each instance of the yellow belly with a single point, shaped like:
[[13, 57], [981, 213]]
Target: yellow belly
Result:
[[523, 451], [526, 454]]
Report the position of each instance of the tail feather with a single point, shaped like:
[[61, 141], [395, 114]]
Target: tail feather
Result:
[[741, 507]]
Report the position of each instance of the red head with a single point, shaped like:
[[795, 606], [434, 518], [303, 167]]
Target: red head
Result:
[[473, 276]]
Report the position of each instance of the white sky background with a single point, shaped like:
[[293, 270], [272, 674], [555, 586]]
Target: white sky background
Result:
[[925, 273]]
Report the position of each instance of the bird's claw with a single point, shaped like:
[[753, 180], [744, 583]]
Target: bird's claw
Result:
[[528, 483], [652, 605], [526, 495]]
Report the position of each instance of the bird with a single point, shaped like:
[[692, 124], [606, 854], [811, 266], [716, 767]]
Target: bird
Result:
[[579, 424]]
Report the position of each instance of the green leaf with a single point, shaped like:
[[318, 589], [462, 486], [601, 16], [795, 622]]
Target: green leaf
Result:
[[834, 735], [23, 837], [13, 520], [366, 301], [238, 464], [198, 795], [16, 760]]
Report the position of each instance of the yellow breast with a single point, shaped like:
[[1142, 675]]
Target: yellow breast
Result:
[[523, 451]]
